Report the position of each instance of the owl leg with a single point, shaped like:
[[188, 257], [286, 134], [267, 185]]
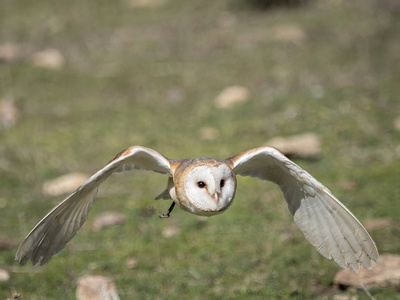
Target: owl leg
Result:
[[168, 212]]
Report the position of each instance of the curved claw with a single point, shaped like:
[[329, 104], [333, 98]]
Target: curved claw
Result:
[[163, 216], [167, 215]]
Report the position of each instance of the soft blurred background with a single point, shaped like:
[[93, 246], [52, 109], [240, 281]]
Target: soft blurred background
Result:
[[82, 80]]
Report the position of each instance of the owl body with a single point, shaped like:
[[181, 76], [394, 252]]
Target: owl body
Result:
[[206, 187]]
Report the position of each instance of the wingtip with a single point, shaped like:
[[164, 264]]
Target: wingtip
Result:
[[21, 260], [366, 266], [22, 256], [18, 257], [354, 267]]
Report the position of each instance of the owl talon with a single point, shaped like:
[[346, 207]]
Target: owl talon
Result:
[[162, 216]]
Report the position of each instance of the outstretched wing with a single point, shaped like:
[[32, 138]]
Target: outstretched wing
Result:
[[326, 223], [60, 225]]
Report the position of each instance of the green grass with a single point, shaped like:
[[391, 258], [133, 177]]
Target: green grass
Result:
[[149, 76]]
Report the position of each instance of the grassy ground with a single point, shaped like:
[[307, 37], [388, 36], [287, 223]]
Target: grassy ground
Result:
[[149, 76]]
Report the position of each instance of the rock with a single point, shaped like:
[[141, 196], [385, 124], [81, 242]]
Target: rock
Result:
[[227, 20], [384, 274], [108, 219], [396, 123], [232, 96], [306, 145], [347, 185], [65, 184], [170, 231], [10, 52], [317, 91], [8, 113], [145, 3], [344, 297], [174, 95], [4, 275], [289, 33], [6, 243], [377, 224], [96, 288], [131, 262], [208, 133], [49, 59]]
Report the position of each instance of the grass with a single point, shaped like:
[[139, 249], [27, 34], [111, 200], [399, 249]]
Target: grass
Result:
[[149, 76]]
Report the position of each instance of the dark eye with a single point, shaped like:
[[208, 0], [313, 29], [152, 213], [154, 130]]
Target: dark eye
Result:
[[201, 184], [222, 183]]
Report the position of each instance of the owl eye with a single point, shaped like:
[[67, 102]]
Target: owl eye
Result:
[[222, 183], [201, 184]]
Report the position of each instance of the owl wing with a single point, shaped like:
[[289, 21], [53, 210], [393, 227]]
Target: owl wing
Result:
[[60, 225], [325, 222]]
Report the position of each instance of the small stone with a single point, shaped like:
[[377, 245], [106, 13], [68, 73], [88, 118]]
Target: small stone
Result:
[[384, 274], [232, 96], [96, 288], [49, 59], [347, 185], [131, 263], [108, 219], [10, 52], [378, 224], [6, 243], [174, 95], [317, 91], [209, 134], [4, 275], [227, 20], [344, 297], [145, 3], [170, 231], [8, 113], [306, 145], [289, 33], [65, 184], [396, 123]]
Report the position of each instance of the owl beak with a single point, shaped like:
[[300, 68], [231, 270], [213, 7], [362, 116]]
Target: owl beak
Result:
[[216, 197]]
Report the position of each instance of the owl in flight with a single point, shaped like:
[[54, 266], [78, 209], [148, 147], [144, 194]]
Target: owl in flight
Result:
[[206, 187]]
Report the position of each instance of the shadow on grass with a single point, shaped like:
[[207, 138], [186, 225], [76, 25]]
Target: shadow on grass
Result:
[[266, 4]]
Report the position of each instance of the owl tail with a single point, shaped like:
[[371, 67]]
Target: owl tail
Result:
[[165, 194]]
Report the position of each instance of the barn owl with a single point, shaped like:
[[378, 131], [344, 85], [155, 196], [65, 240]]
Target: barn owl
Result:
[[206, 187]]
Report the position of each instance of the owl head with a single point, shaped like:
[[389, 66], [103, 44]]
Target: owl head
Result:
[[207, 186]]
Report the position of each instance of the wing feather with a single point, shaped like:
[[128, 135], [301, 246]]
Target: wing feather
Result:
[[325, 222], [60, 225]]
